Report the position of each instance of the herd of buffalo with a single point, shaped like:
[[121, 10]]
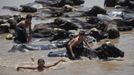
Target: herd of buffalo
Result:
[[69, 15]]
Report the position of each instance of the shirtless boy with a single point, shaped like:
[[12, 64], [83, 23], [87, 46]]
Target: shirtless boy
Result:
[[23, 30], [41, 65], [75, 46]]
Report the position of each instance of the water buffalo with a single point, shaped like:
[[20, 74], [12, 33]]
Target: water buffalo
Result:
[[8, 21], [5, 17], [4, 28], [68, 8], [113, 31], [60, 34], [123, 2], [14, 20], [56, 3], [93, 20], [78, 24], [94, 11], [52, 35], [2, 21], [12, 8], [121, 17], [104, 52], [59, 3], [97, 34], [110, 3], [65, 11], [130, 21], [124, 25], [45, 30], [108, 50], [12, 23], [42, 30], [78, 2], [31, 7], [65, 24], [110, 28]]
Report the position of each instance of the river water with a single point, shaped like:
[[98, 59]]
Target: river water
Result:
[[119, 66]]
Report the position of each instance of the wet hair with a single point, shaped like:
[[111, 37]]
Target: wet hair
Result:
[[41, 60], [29, 16], [82, 33]]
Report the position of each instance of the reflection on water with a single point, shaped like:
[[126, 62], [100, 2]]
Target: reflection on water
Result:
[[121, 66]]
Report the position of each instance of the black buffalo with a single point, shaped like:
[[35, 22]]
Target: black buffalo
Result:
[[94, 11], [60, 34], [64, 24], [42, 30], [4, 28], [98, 35], [59, 3], [124, 25], [110, 28], [48, 31], [108, 50], [28, 7], [105, 51], [112, 3]]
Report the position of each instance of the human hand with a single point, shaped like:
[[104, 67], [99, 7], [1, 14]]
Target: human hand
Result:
[[18, 68]]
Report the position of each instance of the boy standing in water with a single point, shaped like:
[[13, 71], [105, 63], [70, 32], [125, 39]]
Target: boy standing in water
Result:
[[41, 65], [75, 46], [23, 30]]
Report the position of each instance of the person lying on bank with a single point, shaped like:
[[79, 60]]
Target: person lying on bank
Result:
[[41, 65]]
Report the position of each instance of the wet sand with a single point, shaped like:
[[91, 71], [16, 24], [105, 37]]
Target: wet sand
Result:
[[119, 66]]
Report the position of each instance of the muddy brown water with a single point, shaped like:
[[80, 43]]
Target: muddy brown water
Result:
[[119, 66]]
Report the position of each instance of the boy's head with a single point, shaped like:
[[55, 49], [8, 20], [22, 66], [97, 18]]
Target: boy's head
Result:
[[41, 62], [29, 17], [82, 34]]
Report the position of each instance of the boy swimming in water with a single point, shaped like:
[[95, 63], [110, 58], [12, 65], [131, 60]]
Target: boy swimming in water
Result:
[[41, 65]]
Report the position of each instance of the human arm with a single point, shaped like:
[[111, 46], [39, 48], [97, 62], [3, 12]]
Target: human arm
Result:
[[55, 63], [87, 44], [21, 23], [30, 33], [30, 29], [70, 45], [32, 68]]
